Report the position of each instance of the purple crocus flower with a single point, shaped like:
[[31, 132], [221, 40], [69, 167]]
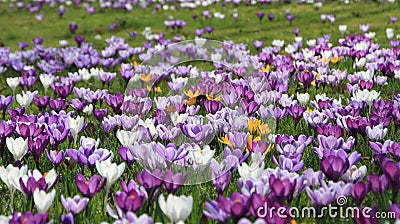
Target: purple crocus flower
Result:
[[74, 205], [58, 134], [360, 191], [58, 105], [28, 217], [209, 29], [67, 219], [305, 78], [296, 32], [149, 181], [73, 27], [258, 44], [260, 15], [62, 90], [198, 132], [27, 129], [170, 152], [212, 106], [79, 40], [290, 18], [37, 146], [37, 41], [296, 112], [378, 184], [91, 187], [329, 130], [334, 166], [100, 114], [282, 188], [172, 182], [41, 102], [56, 157], [131, 198], [78, 105], [6, 130], [236, 207], [22, 45], [115, 102], [392, 173], [393, 19], [126, 155], [5, 103], [250, 107], [271, 17]]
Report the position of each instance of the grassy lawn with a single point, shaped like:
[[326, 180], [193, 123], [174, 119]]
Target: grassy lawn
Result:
[[19, 25]]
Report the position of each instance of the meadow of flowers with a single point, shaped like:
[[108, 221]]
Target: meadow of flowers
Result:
[[182, 128]]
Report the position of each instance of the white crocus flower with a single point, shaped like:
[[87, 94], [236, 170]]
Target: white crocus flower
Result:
[[46, 80], [177, 118], [127, 138], [202, 156], [370, 35], [278, 43], [359, 63], [376, 133], [311, 42], [177, 208], [255, 169], [111, 171], [303, 98], [88, 110], [10, 176], [342, 29], [43, 200], [149, 123], [18, 147], [366, 95], [13, 83], [25, 99], [354, 174], [75, 126], [389, 33]]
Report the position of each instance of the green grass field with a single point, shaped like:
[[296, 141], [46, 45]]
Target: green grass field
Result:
[[17, 26], [21, 26]]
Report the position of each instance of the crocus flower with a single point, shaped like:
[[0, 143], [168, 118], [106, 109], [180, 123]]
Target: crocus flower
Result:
[[76, 125], [10, 176], [73, 27], [43, 200], [13, 83], [28, 217], [172, 182], [236, 206], [177, 208], [18, 147], [131, 198], [55, 157], [111, 171], [91, 187], [376, 133], [35, 180], [258, 44], [334, 166], [26, 98], [74, 205], [260, 15], [360, 191]]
